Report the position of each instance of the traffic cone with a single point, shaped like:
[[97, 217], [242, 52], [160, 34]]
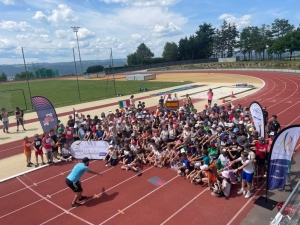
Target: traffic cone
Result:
[[232, 95], [223, 100]]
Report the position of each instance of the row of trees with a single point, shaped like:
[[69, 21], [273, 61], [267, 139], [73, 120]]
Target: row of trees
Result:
[[225, 41]]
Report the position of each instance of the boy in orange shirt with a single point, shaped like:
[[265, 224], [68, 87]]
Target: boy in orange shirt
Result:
[[27, 151]]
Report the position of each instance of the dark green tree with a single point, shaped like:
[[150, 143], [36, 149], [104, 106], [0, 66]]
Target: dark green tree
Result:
[[183, 48], [3, 77], [232, 36], [281, 27], [23, 76], [95, 69], [142, 54], [204, 41], [170, 52]]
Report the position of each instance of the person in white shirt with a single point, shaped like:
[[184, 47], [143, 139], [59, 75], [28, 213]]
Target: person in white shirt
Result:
[[158, 157], [223, 188], [175, 97], [247, 173]]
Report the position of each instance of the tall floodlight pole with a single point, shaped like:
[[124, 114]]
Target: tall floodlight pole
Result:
[[75, 29], [267, 28]]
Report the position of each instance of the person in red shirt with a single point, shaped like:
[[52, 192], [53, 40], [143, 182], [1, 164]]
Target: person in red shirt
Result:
[[69, 135], [260, 152], [27, 151]]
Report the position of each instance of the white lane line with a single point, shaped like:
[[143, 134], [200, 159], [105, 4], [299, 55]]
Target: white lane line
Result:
[[183, 207], [140, 199], [52, 203], [49, 196], [244, 206], [98, 194], [10, 148], [35, 183]]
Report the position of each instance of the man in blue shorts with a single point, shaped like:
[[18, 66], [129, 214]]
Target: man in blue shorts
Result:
[[73, 178]]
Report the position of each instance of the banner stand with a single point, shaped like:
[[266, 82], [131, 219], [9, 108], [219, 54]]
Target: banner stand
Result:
[[286, 146], [266, 203]]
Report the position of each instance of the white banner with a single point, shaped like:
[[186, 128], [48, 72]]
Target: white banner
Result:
[[258, 118], [90, 149]]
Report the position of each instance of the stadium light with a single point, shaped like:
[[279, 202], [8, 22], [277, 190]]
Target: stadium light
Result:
[[75, 29]]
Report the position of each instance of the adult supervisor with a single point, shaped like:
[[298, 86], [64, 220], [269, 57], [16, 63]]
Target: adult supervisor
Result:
[[73, 180]]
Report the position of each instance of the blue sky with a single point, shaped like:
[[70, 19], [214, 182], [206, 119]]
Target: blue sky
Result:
[[42, 26]]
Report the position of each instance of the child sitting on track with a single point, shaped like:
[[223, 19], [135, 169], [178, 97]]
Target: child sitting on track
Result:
[[66, 153], [183, 166], [209, 176], [129, 163], [224, 188]]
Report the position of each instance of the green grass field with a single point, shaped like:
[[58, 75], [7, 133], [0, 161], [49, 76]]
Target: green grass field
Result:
[[65, 92]]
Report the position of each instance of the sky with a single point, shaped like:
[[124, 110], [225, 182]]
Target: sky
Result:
[[43, 27]]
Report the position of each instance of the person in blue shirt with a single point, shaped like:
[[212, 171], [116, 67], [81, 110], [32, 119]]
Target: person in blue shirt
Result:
[[73, 180], [183, 165]]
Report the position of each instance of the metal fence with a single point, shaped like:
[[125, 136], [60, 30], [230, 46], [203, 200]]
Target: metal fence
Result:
[[158, 65], [289, 214]]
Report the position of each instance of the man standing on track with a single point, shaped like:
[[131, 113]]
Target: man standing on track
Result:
[[274, 125], [73, 178]]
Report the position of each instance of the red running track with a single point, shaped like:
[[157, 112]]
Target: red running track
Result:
[[41, 197]]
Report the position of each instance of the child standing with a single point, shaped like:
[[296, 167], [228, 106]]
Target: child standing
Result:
[[37, 146], [27, 151]]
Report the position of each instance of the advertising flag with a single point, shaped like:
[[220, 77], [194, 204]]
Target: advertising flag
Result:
[[124, 104], [258, 118], [90, 149], [280, 156], [172, 104], [45, 111]]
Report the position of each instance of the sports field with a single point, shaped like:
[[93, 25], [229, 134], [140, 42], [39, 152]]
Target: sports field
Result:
[[62, 92]]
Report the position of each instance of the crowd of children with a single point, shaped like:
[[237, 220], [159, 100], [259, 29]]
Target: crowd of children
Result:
[[217, 146]]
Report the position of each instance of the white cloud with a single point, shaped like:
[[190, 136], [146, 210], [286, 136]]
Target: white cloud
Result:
[[44, 38], [63, 14], [6, 44], [26, 36], [147, 17], [11, 2], [14, 26], [82, 45], [136, 36], [166, 30], [240, 22], [62, 33], [40, 17], [144, 2], [83, 34]]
